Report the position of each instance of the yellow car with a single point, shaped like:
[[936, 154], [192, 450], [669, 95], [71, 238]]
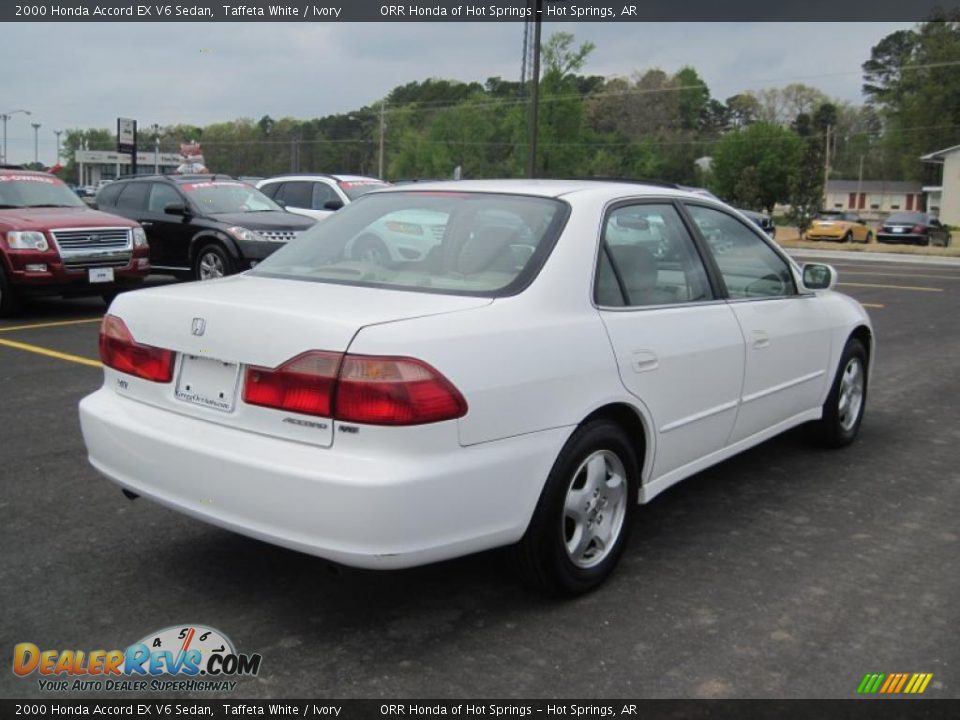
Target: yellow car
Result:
[[839, 227]]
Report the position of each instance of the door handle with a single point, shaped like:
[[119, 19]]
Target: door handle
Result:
[[760, 339], [644, 361]]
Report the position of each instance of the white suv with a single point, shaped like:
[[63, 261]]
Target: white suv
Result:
[[317, 195]]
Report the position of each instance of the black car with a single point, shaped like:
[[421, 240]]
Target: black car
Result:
[[915, 229], [202, 226], [762, 220]]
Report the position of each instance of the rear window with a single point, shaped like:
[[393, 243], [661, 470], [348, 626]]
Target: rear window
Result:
[[17, 191], [460, 243], [908, 218]]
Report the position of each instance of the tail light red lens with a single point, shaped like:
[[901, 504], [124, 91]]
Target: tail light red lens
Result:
[[120, 351], [919, 230], [302, 385], [356, 388], [395, 391]]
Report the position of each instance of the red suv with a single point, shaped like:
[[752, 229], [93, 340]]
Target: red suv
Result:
[[52, 243]]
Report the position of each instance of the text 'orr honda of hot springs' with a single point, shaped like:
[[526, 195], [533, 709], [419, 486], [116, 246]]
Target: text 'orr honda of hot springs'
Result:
[[523, 364]]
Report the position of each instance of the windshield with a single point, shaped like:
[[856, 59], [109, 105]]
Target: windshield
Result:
[[909, 218], [355, 188], [447, 242], [225, 196], [18, 191]]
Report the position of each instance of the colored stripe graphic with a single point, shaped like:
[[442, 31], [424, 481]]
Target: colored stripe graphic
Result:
[[894, 683]]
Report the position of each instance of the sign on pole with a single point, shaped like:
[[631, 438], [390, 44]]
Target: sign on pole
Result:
[[127, 140]]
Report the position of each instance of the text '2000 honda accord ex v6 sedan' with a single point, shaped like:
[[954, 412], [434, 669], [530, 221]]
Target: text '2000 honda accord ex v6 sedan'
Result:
[[565, 350]]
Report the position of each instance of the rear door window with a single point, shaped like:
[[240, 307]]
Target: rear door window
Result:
[[133, 196]]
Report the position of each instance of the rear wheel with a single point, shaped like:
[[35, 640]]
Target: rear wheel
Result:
[[212, 262], [848, 237], [582, 521], [869, 238], [9, 300], [371, 249], [843, 410]]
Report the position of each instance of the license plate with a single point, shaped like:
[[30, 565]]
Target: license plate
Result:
[[899, 230], [100, 275], [207, 382]]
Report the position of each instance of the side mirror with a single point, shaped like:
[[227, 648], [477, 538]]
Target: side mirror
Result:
[[176, 209], [333, 205], [819, 277]]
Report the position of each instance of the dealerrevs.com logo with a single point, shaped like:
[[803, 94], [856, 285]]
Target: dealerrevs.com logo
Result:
[[179, 658]]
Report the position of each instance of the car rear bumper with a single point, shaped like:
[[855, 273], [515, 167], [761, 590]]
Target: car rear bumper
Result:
[[902, 239], [365, 509]]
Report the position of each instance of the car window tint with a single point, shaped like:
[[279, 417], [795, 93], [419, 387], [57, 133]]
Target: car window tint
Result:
[[270, 190], [133, 196], [297, 194], [649, 251], [750, 268], [162, 195], [322, 193], [108, 194]]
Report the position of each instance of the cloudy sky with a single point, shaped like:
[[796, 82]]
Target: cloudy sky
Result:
[[87, 74]]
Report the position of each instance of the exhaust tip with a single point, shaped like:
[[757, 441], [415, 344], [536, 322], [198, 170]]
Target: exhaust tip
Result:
[[129, 495]]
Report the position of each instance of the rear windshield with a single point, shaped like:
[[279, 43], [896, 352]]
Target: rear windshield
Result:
[[446, 242], [222, 196], [18, 191], [910, 218], [355, 188]]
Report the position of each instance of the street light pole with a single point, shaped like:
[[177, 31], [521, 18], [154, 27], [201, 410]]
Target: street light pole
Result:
[[36, 143], [58, 133], [6, 116]]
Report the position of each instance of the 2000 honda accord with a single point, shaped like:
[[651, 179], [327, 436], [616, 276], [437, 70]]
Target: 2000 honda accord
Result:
[[565, 350]]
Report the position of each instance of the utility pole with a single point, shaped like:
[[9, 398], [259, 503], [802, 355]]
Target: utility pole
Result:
[[156, 149], [826, 165], [58, 133], [859, 183], [6, 116], [534, 116], [36, 142], [383, 129]]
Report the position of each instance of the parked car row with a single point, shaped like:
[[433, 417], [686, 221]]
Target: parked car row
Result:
[[902, 228]]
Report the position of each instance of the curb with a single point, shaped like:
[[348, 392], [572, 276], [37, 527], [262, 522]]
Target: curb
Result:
[[875, 257]]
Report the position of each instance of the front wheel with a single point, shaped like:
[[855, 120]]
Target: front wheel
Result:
[[843, 410], [869, 238], [370, 248], [9, 300], [582, 521], [848, 237], [212, 262]]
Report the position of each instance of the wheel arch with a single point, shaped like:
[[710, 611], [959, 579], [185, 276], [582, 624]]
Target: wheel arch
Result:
[[209, 237], [865, 335], [637, 427]]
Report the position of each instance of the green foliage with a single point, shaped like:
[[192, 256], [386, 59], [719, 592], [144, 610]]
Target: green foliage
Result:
[[752, 167]]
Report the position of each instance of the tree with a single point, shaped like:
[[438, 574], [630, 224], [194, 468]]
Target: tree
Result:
[[752, 167], [806, 182]]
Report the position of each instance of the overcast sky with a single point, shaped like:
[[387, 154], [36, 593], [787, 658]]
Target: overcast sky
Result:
[[86, 74]]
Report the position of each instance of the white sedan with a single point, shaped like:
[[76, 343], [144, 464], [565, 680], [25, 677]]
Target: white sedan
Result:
[[565, 350]]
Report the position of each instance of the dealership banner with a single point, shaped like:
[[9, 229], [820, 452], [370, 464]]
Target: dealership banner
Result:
[[486, 709], [475, 11]]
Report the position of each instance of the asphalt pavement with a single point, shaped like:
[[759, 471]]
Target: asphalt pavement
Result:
[[785, 572]]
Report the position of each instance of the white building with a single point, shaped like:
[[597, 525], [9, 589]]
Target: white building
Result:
[[96, 165], [874, 199], [944, 199]]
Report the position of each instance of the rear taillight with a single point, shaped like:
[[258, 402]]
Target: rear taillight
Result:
[[394, 391], [919, 230], [120, 351], [356, 388], [302, 385]]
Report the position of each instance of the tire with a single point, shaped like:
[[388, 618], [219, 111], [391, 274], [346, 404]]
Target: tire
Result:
[[212, 262], [109, 296], [9, 299], [568, 550], [848, 237], [371, 249], [843, 410], [869, 238]]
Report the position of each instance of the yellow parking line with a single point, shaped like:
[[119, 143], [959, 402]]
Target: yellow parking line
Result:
[[58, 323], [873, 305], [892, 287], [50, 353]]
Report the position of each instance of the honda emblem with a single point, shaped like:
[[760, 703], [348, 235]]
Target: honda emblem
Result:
[[198, 326]]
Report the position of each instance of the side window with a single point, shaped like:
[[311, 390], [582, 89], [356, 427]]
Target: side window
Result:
[[322, 193], [648, 258], [108, 194], [750, 268], [162, 195], [297, 194], [133, 196], [270, 190]]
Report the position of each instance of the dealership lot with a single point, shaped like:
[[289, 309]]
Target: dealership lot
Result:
[[785, 572]]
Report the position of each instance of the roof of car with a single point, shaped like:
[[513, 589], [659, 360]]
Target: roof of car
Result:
[[555, 188], [13, 170], [337, 177]]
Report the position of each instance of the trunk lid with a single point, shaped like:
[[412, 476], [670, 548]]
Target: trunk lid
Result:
[[217, 328]]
